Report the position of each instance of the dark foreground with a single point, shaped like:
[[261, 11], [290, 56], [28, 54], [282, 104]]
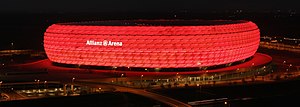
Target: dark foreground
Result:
[[283, 93], [108, 99]]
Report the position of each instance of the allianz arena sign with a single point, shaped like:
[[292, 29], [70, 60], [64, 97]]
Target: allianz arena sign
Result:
[[103, 43]]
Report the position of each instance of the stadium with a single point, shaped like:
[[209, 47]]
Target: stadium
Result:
[[156, 46]]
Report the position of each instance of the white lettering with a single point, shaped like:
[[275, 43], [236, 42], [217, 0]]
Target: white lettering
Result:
[[103, 43]]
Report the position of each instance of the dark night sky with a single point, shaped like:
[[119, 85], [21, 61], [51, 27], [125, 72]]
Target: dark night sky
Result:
[[26, 30], [142, 5]]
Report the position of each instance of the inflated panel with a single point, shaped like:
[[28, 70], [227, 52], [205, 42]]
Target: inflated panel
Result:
[[151, 46]]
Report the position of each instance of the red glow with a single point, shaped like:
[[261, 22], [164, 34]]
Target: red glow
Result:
[[152, 46]]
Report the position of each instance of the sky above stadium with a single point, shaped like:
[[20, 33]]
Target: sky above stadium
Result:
[[143, 5]]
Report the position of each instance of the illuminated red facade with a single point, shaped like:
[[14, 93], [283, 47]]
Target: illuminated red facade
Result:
[[151, 44]]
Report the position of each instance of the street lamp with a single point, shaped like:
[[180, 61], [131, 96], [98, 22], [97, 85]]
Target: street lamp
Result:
[[226, 103], [177, 76], [121, 78], [65, 89], [73, 80], [100, 89], [0, 83], [38, 83], [200, 87], [142, 80], [72, 86], [12, 45], [142, 77], [45, 83]]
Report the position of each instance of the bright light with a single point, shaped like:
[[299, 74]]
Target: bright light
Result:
[[177, 47]]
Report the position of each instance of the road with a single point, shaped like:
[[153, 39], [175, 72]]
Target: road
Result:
[[142, 92], [12, 95]]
